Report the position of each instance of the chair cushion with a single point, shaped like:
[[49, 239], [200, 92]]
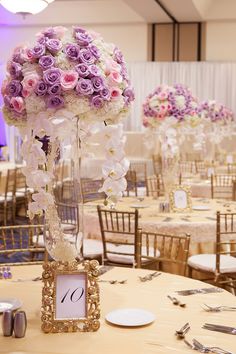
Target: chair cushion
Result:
[[2, 198], [127, 259], [92, 248], [207, 262]]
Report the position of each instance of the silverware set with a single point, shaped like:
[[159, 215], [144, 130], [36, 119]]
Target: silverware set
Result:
[[196, 345], [175, 301], [199, 291], [149, 276], [113, 281], [209, 308], [219, 328], [182, 331]]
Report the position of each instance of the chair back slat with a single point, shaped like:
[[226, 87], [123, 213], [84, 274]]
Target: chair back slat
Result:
[[173, 249], [20, 244]]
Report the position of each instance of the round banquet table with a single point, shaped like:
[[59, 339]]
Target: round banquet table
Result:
[[200, 224], [158, 337]]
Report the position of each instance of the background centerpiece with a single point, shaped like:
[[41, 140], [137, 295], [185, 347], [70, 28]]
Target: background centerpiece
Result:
[[169, 113], [58, 89]]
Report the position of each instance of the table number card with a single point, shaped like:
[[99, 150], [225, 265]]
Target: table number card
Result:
[[180, 199], [70, 297]]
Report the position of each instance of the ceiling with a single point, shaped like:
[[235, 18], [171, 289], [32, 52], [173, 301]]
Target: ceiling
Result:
[[87, 12]]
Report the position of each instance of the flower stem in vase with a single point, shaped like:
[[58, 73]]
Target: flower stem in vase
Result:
[[169, 174]]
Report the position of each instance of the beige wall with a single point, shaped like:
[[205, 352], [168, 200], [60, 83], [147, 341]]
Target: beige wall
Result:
[[221, 41], [132, 39]]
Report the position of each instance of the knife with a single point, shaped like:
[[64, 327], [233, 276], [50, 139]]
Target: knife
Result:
[[220, 328]]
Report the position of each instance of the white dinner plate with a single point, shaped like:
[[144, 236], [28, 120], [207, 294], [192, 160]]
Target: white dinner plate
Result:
[[201, 207], [9, 304], [130, 317], [139, 206]]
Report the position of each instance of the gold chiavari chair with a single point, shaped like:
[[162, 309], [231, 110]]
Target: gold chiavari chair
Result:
[[21, 190], [141, 172], [8, 199], [89, 189], [231, 168], [220, 267], [69, 216], [155, 186], [114, 226], [131, 179], [70, 223], [200, 167], [234, 191], [222, 186], [157, 164], [166, 250], [20, 244]]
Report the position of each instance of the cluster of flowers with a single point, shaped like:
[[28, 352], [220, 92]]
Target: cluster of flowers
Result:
[[216, 112], [176, 102], [76, 71]]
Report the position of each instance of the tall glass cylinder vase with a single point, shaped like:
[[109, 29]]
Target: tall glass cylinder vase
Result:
[[64, 217]]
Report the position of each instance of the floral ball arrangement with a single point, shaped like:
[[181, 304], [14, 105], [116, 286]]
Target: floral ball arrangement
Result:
[[167, 101], [65, 86], [75, 71], [216, 113], [170, 110]]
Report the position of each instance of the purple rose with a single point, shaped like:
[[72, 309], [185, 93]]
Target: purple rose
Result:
[[124, 72], [54, 89], [55, 102], [38, 50], [14, 88], [128, 94], [52, 76], [82, 70], [41, 88], [46, 62], [14, 70], [94, 70], [86, 57], [118, 56], [97, 101], [53, 45], [98, 83], [95, 51], [84, 87], [72, 51], [77, 29], [83, 39], [49, 32], [105, 94], [41, 40]]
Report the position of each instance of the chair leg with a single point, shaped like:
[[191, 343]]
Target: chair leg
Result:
[[190, 272]]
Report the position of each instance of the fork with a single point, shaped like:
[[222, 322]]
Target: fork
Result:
[[206, 349], [218, 308], [149, 276]]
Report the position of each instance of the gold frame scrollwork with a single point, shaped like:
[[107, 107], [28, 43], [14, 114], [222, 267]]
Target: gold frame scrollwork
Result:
[[173, 207], [89, 324]]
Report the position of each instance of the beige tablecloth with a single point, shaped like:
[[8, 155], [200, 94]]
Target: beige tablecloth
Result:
[[201, 225], [158, 337]]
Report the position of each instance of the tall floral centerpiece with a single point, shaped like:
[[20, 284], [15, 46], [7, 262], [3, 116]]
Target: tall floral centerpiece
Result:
[[219, 123], [63, 85], [167, 113]]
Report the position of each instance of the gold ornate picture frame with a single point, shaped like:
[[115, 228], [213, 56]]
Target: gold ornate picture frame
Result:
[[70, 297], [180, 199]]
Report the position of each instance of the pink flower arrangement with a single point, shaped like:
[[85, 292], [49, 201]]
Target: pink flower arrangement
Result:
[[170, 101], [216, 112]]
